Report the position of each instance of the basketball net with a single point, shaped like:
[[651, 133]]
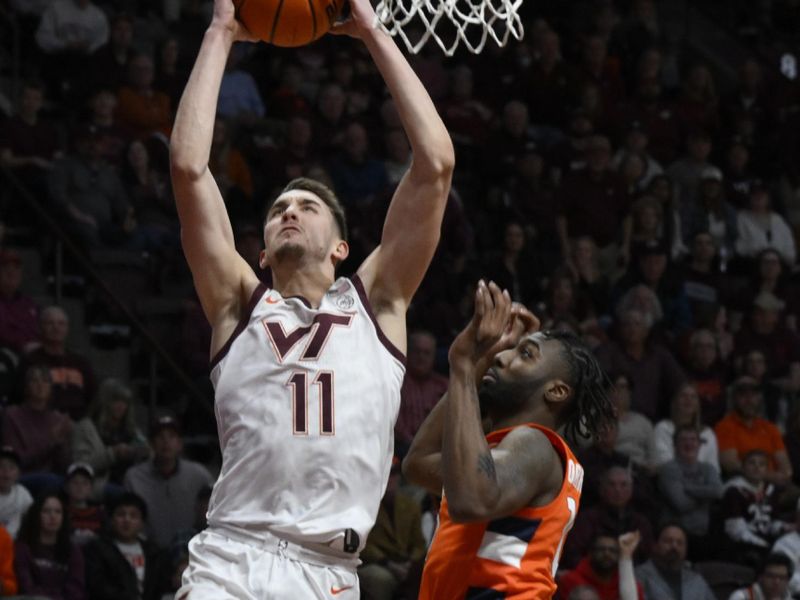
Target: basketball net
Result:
[[470, 22]]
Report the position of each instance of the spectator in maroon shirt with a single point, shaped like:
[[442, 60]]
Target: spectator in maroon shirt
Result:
[[657, 117], [655, 374], [39, 434], [697, 107], [547, 82], [28, 143], [601, 70], [72, 375], [594, 203], [422, 386], [18, 312]]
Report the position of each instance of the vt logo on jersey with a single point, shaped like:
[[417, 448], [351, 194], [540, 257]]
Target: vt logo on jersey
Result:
[[282, 344]]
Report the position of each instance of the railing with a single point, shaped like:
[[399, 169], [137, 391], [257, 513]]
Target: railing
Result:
[[65, 244]]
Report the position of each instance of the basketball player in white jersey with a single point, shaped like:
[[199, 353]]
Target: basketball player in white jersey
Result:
[[307, 373]]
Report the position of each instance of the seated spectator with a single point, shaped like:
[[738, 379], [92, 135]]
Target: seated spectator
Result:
[[705, 285], [765, 330], [28, 146], [511, 268], [593, 203], [157, 231], [47, 563], [392, 557], [685, 410], [792, 441], [743, 430], [707, 373], [232, 174], [39, 434], [108, 64], [666, 575], [689, 487], [14, 498], [776, 401], [108, 439], [761, 227], [112, 139], [8, 579], [607, 569], [73, 382], [613, 515], [88, 194], [635, 437], [789, 545], [602, 455], [121, 564], [141, 109], [773, 580], [358, 176], [655, 374], [86, 518], [592, 284], [422, 387], [167, 483], [711, 212], [18, 312], [686, 173], [239, 98], [750, 511], [180, 543]]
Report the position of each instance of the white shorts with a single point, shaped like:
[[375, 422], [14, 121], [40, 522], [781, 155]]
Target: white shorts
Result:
[[222, 567]]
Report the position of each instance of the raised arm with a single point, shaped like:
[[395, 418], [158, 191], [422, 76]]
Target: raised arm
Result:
[[422, 464], [222, 278], [482, 483], [411, 231]]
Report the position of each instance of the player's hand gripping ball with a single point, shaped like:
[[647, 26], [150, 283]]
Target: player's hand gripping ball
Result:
[[288, 23]]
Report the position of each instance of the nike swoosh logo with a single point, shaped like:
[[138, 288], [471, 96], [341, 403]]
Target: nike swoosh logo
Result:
[[337, 591]]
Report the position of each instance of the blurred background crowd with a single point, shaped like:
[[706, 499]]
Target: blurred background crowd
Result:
[[630, 171]]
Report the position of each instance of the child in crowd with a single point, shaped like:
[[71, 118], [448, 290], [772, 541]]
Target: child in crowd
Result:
[[14, 498], [86, 518]]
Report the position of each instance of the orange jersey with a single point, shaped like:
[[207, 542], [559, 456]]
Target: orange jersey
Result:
[[511, 557]]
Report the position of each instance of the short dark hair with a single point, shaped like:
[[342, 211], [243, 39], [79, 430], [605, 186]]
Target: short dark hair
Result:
[[128, 499], [671, 524], [324, 193], [590, 409], [777, 559], [685, 427]]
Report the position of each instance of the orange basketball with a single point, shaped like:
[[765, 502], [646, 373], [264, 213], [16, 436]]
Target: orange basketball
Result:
[[288, 22]]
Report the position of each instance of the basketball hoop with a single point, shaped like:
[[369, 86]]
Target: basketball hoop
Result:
[[470, 22]]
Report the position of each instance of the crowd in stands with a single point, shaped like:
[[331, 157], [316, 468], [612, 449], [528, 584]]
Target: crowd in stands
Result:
[[608, 176]]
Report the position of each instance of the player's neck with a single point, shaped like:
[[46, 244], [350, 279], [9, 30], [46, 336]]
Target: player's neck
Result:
[[309, 282], [534, 414]]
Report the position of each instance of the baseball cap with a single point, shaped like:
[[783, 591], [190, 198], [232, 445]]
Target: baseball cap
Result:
[[768, 301], [80, 467], [10, 453], [745, 382], [165, 422], [711, 173]]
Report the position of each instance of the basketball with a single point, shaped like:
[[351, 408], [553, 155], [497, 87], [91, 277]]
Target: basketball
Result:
[[288, 23]]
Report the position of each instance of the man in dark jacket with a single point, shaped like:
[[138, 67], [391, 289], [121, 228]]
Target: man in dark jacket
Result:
[[120, 565]]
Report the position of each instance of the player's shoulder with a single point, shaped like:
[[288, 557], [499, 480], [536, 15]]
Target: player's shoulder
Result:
[[529, 441]]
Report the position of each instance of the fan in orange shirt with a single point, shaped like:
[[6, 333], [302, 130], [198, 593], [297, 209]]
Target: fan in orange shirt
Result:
[[510, 497]]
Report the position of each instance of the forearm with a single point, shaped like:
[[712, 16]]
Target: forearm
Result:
[[190, 144], [468, 469], [627, 581], [427, 134], [422, 464]]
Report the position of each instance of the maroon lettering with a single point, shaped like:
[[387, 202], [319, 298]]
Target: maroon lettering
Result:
[[299, 403], [325, 382], [282, 343]]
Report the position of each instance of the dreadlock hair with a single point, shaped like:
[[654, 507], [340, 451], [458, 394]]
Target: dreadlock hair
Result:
[[590, 410]]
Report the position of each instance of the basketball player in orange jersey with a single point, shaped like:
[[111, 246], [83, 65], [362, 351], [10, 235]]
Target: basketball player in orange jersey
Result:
[[307, 373], [510, 496]]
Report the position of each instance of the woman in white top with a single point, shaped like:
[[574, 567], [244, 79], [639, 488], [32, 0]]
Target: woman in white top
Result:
[[685, 410], [761, 227]]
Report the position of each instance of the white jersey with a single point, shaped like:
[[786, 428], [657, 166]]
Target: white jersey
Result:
[[306, 401]]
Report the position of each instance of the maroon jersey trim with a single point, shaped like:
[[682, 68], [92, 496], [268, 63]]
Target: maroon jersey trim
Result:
[[243, 321], [362, 293]]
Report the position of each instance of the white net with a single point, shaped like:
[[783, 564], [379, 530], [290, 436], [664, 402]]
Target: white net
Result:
[[451, 22]]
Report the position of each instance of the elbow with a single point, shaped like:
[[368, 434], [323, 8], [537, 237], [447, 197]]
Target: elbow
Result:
[[410, 469], [437, 163], [183, 163]]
